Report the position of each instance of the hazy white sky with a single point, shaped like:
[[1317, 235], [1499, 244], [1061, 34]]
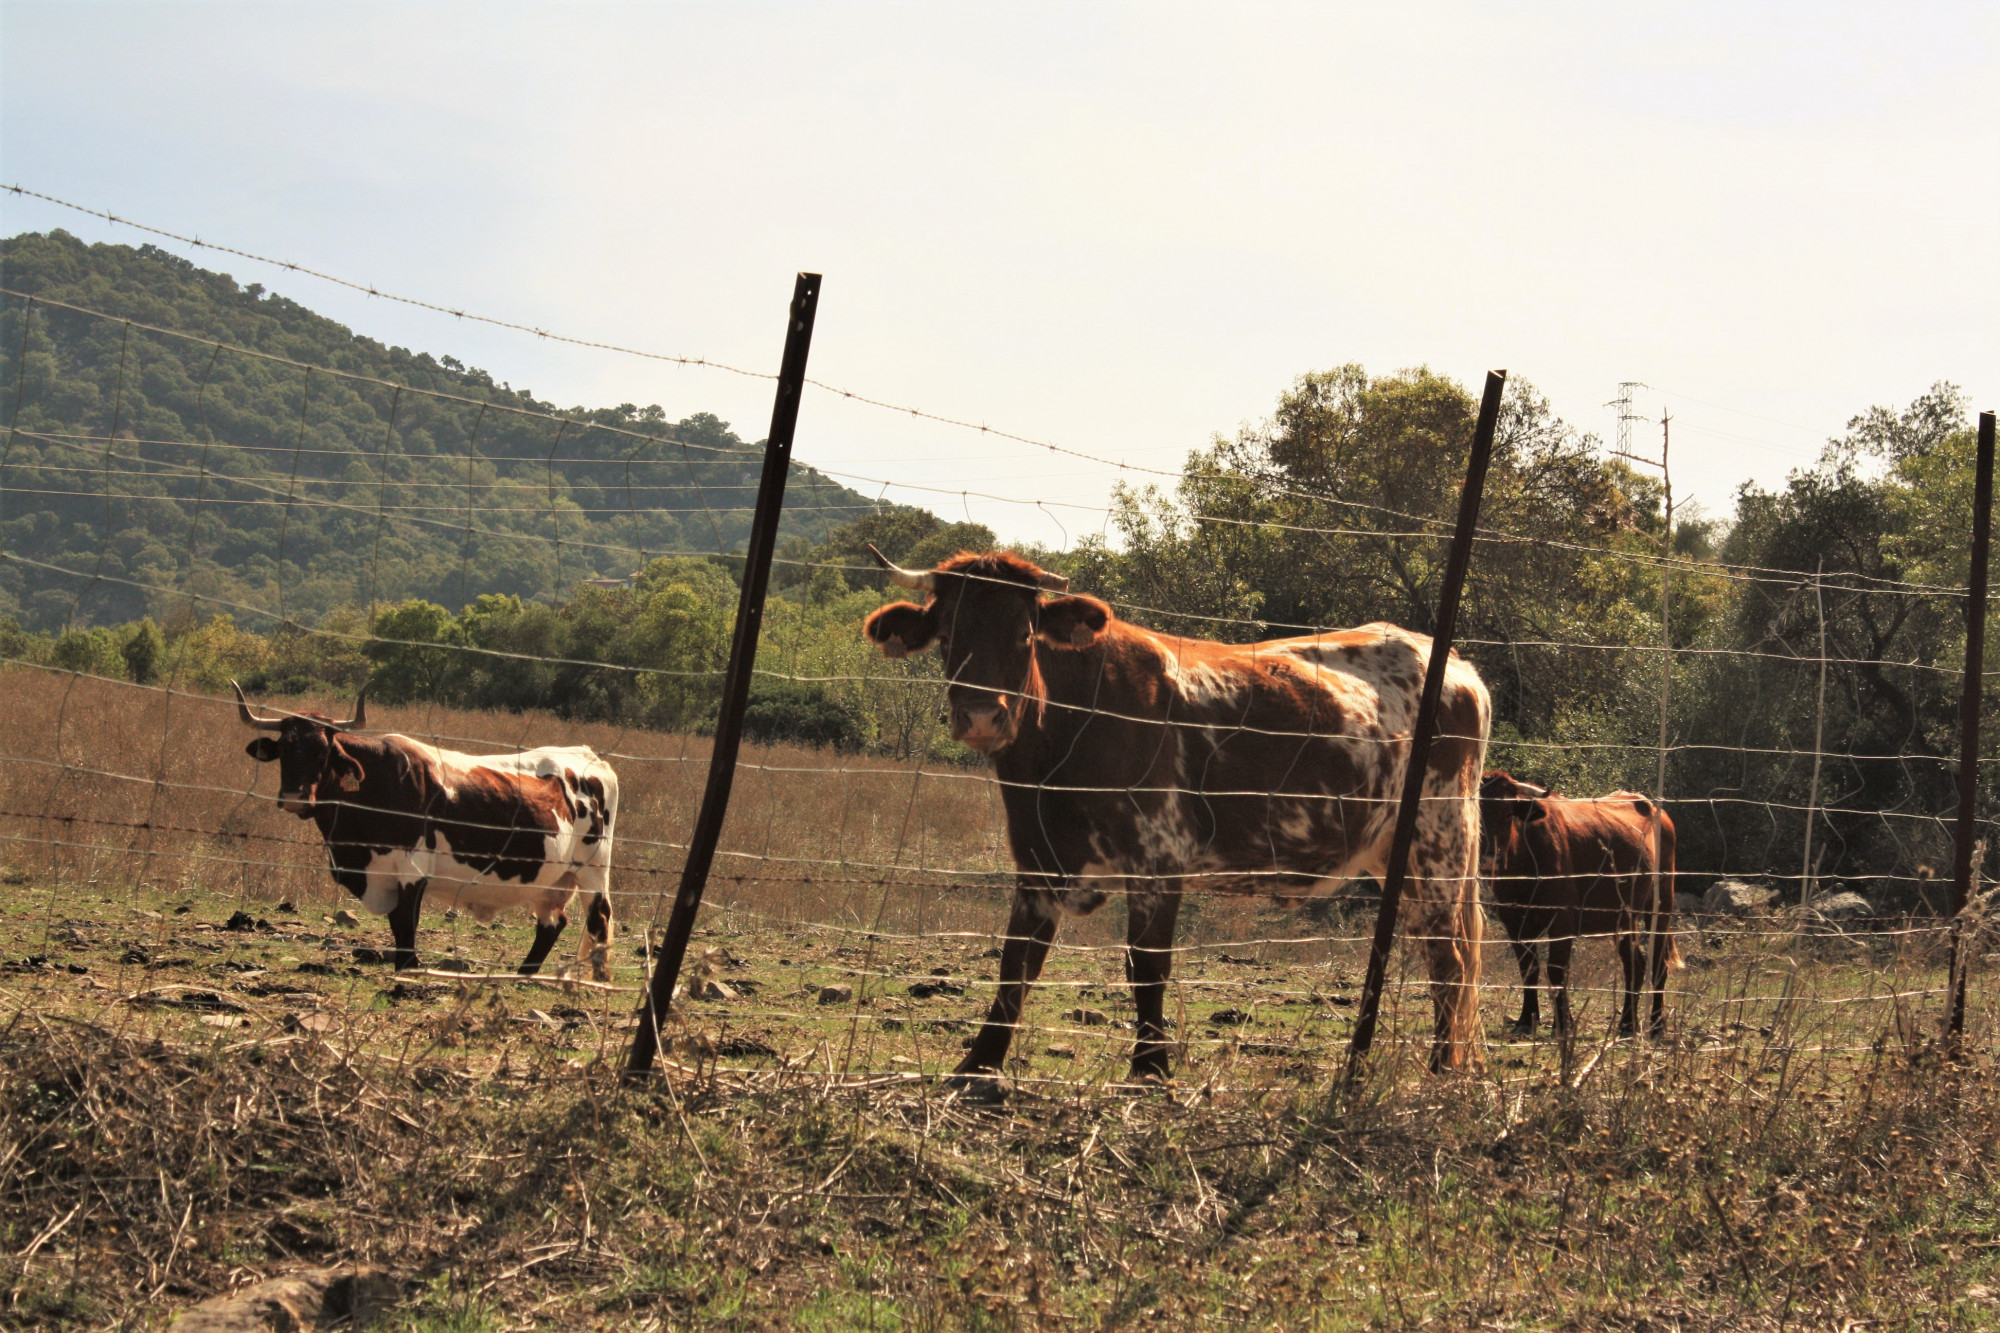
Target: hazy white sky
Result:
[[1118, 227]]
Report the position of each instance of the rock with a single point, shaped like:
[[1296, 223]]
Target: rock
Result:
[[314, 1298], [311, 1021], [1687, 905], [1733, 897], [1843, 907], [1062, 1052], [835, 994], [1229, 1017], [287, 908], [924, 990], [345, 918], [1089, 1018], [240, 921], [721, 990]]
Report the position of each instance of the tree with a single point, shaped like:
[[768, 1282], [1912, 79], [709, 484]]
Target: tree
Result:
[[142, 650], [409, 649], [1885, 510], [1336, 511]]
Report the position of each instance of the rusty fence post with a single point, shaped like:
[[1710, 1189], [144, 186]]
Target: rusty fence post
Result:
[[666, 964], [1968, 725], [1426, 721]]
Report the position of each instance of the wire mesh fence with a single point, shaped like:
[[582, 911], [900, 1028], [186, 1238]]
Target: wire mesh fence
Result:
[[861, 895]]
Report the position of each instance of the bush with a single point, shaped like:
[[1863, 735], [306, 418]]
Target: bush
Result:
[[143, 648], [786, 712], [91, 651]]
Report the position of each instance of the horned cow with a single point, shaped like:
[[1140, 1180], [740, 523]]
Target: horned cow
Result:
[[1564, 867], [402, 819], [1150, 765]]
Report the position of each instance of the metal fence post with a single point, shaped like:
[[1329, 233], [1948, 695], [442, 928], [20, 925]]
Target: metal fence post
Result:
[[1968, 724], [736, 678], [1426, 721]]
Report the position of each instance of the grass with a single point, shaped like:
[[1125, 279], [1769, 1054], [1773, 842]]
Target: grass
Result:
[[185, 1106]]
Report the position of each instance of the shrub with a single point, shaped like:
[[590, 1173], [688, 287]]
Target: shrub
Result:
[[789, 712]]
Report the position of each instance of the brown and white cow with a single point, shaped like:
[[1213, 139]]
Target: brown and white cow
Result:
[[402, 819], [1152, 765], [1564, 867]]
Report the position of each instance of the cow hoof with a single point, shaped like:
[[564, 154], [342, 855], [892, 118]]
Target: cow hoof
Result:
[[1522, 1031], [975, 1088]]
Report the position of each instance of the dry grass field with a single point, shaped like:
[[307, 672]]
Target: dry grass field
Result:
[[205, 1078]]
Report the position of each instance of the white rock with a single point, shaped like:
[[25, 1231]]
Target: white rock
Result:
[[1733, 897]]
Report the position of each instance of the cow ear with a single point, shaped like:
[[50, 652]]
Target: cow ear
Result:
[[1072, 622], [264, 749], [900, 629], [1533, 810], [347, 770]]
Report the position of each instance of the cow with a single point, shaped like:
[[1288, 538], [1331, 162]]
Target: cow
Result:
[[401, 819], [1562, 868], [1143, 763]]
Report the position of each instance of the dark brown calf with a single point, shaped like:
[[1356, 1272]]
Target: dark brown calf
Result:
[[1562, 868]]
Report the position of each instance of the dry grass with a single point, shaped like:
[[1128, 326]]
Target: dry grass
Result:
[[185, 1106]]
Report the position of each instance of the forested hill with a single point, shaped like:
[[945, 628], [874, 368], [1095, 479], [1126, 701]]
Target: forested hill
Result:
[[381, 474]]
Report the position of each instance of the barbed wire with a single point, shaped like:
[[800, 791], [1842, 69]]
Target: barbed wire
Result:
[[66, 802], [1855, 581]]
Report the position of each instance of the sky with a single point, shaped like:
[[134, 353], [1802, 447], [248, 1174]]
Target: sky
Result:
[[1117, 228]]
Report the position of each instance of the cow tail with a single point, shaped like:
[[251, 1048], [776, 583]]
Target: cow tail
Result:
[[1663, 894]]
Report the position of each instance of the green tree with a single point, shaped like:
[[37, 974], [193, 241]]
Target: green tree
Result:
[[411, 651], [142, 650]]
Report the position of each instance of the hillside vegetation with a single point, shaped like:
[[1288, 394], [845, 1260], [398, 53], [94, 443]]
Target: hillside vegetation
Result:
[[139, 461]]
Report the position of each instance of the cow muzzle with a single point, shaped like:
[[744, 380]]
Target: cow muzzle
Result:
[[984, 724], [298, 803]]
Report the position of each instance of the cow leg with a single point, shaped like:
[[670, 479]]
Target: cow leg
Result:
[[1659, 940], [1632, 963], [1560, 946], [597, 936], [403, 923], [1443, 917], [1530, 961], [546, 934], [1031, 929], [1149, 960]]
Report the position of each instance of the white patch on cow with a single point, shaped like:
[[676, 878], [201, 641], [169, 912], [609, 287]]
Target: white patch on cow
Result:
[[1202, 683]]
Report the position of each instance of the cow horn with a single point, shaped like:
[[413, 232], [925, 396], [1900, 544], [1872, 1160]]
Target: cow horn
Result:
[[1052, 582], [250, 718], [360, 717], [926, 581]]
